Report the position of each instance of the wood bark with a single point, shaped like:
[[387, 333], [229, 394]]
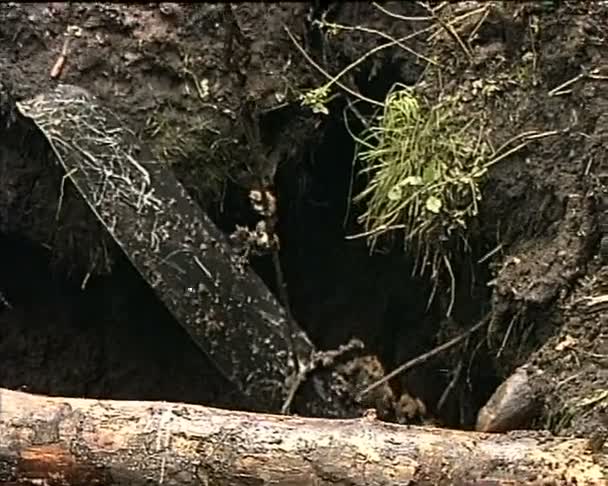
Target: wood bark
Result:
[[70, 441]]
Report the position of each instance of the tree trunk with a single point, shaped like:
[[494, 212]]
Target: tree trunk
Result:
[[69, 441]]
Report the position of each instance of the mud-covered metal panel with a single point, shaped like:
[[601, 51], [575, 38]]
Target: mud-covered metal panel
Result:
[[226, 308]]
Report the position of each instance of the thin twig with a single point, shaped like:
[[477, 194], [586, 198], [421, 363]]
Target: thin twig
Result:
[[528, 137], [586, 74], [426, 356], [556, 91], [491, 253], [452, 286], [360, 28], [400, 17], [336, 79], [479, 23], [451, 385], [449, 29], [376, 230], [460, 18], [515, 139], [332, 79], [505, 338]]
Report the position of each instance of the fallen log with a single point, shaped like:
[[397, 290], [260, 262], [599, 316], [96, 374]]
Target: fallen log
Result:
[[70, 441]]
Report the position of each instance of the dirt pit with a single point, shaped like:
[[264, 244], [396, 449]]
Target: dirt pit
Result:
[[181, 76]]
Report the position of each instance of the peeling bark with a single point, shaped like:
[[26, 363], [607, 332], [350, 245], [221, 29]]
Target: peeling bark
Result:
[[69, 441]]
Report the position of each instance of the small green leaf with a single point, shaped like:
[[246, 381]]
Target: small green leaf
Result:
[[433, 204], [411, 181], [320, 108], [395, 193], [429, 174]]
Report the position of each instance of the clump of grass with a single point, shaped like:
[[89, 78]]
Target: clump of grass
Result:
[[425, 165]]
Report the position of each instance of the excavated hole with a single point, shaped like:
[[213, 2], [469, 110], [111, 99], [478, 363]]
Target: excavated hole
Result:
[[116, 340], [339, 290]]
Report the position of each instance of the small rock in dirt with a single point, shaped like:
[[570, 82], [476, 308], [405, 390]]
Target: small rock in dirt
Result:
[[511, 406]]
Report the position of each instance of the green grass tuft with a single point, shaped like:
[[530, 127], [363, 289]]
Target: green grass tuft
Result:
[[425, 164]]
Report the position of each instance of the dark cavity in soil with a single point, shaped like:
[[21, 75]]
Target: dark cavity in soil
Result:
[[114, 339], [339, 290]]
